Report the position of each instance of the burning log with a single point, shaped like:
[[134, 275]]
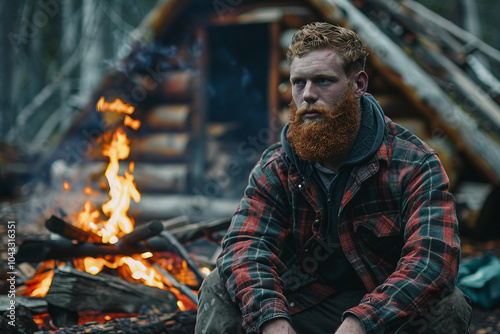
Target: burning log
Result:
[[202, 229], [180, 250], [172, 282], [41, 250], [76, 290], [34, 304], [176, 222], [142, 233], [65, 229], [62, 317]]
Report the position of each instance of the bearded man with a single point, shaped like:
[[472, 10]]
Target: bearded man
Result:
[[347, 224]]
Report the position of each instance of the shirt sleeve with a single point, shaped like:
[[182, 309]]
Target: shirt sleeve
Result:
[[430, 257], [249, 262]]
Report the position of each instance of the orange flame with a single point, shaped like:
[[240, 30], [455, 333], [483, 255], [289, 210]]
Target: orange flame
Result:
[[121, 188], [132, 123], [39, 284], [66, 185], [115, 106], [87, 219], [181, 306], [43, 285], [139, 268]]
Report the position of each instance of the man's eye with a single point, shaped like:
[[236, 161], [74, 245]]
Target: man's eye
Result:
[[299, 82], [324, 80]]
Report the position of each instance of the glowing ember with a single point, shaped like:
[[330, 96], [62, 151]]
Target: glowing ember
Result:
[[147, 255], [181, 306], [205, 271], [66, 186]]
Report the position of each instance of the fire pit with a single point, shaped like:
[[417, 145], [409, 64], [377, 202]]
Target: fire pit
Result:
[[102, 275]]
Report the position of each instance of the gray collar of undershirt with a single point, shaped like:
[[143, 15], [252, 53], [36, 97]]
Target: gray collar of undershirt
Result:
[[326, 175]]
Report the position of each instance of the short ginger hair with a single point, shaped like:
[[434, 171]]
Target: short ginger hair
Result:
[[321, 35]]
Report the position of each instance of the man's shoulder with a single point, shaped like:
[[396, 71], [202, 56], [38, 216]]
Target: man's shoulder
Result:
[[274, 154], [403, 140]]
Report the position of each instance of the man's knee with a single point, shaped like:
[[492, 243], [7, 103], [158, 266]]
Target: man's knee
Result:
[[211, 282], [216, 311], [449, 315]]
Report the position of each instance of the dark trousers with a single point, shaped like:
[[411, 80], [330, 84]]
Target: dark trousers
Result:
[[217, 314]]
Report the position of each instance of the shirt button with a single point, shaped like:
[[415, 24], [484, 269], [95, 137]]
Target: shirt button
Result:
[[292, 304]]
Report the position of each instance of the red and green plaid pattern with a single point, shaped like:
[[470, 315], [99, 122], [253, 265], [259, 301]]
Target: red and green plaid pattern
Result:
[[397, 227]]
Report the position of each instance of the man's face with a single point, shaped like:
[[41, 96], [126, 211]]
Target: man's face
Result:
[[325, 114], [318, 79]]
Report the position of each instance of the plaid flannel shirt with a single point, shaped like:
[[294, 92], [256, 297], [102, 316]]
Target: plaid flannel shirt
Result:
[[397, 227]]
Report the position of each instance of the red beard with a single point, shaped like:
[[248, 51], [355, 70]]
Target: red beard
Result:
[[329, 137]]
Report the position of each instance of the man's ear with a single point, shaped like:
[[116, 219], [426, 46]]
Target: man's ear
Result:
[[360, 84]]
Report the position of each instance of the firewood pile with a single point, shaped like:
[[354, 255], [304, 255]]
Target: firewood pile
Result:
[[79, 300]]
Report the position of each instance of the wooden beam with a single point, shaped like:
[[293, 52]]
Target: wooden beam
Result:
[[199, 110], [481, 148], [273, 81]]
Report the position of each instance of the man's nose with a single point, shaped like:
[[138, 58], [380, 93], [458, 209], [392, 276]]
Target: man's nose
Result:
[[310, 94]]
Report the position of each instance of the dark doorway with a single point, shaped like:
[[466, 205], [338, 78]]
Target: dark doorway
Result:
[[238, 77]]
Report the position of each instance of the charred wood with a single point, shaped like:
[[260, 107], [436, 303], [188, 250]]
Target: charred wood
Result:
[[180, 250], [143, 232], [57, 225], [176, 222], [62, 317], [171, 323], [23, 322], [194, 231], [41, 250], [172, 282], [75, 290], [34, 304]]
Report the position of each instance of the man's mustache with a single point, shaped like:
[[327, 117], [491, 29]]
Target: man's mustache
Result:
[[323, 111], [307, 109]]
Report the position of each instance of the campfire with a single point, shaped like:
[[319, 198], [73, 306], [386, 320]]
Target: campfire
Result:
[[102, 271]]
